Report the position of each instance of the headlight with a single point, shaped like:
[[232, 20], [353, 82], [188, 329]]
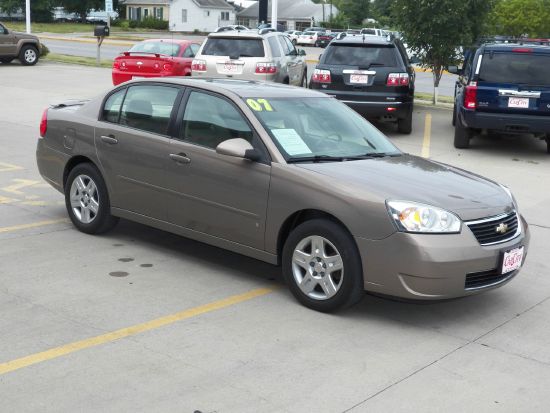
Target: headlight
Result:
[[420, 218], [510, 194]]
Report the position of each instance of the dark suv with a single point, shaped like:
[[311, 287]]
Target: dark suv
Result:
[[370, 74], [503, 87]]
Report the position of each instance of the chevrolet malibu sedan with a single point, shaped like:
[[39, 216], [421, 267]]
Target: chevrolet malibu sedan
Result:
[[284, 175]]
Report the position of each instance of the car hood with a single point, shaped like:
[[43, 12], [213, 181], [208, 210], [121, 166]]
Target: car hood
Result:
[[410, 178]]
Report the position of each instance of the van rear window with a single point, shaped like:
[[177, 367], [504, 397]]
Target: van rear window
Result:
[[361, 55], [233, 47], [521, 68]]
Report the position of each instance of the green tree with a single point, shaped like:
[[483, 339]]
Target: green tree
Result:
[[81, 7], [521, 17], [355, 10], [435, 29], [41, 10], [382, 12]]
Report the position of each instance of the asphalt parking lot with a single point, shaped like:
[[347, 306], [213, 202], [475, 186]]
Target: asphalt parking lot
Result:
[[141, 320]]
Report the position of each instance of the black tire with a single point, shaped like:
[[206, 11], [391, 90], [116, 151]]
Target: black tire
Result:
[[28, 56], [102, 221], [317, 44], [6, 60], [304, 79], [350, 288], [462, 136], [548, 144], [405, 125], [454, 115]]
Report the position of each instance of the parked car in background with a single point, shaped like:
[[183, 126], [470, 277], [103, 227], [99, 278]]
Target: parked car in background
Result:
[[22, 46], [323, 39], [505, 88], [293, 35], [307, 38], [253, 56], [372, 75], [155, 58], [374, 32], [288, 176], [231, 27]]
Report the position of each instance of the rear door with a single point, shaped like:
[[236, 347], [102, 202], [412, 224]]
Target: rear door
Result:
[[232, 56], [514, 81], [359, 69]]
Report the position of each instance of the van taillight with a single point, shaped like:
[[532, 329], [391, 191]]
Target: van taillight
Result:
[[470, 97], [266, 68], [44, 124], [198, 65], [321, 76], [398, 79]]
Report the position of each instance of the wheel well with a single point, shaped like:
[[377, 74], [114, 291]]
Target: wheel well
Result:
[[286, 81], [298, 218], [71, 164]]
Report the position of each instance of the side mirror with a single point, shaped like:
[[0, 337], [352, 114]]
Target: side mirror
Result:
[[454, 70], [321, 55], [301, 52], [238, 148]]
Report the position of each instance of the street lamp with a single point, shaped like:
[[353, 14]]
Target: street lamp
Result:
[[274, 8]]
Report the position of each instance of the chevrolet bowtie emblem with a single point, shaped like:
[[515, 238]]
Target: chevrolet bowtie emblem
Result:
[[502, 228]]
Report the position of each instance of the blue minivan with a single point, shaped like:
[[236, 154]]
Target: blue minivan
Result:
[[503, 87]]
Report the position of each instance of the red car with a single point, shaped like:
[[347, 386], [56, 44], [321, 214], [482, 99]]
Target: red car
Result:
[[155, 58]]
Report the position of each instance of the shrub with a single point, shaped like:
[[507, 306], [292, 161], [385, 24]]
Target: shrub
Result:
[[44, 51], [132, 24]]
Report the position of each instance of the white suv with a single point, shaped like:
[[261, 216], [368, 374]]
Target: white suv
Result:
[[252, 56]]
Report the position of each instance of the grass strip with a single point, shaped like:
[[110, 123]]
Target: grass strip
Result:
[[77, 60]]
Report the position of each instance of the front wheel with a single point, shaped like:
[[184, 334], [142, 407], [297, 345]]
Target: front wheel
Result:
[[322, 266], [28, 55], [87, 200]]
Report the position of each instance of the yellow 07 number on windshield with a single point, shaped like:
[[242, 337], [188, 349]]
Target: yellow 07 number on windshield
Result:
[[259, 105]]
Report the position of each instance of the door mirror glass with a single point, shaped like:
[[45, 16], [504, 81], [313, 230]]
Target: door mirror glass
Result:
[[301, 52], [454, 70], [238, 148], [3, 30]]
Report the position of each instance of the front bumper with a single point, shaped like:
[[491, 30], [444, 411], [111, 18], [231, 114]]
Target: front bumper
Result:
[[505, 122], [434, 267]]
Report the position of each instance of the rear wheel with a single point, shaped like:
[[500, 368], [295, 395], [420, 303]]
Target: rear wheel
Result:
[[322, 266], [28, 55], [462, 135], [548, 143], [405, 125], [6, 60], [454, 114], [87, 200], [317, 44]]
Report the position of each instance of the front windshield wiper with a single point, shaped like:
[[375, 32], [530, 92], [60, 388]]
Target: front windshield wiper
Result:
[[327, 158]]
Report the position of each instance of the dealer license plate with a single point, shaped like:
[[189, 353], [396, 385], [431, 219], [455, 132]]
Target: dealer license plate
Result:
[[518, 103], [512, 260], [230, 67], [359, 79]]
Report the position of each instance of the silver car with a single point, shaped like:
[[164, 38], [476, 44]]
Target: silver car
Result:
[[252, 56], [286, 175]]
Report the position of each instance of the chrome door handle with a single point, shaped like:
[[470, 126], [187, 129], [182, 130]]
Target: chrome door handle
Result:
[[111, 140], [180, 158]]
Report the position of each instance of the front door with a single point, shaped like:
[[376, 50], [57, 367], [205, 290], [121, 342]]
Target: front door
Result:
[[132, 144], [8, 45], [214, 194]]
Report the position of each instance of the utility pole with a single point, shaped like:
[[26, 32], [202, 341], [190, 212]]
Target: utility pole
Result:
[[274, 9], [262, 16], [28, 15]]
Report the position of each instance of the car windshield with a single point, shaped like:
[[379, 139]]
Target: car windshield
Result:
[[361, 55], [319, 129], [165, 48], [522, 68], [232, 46]]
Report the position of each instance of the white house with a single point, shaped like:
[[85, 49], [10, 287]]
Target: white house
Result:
[[202, 15]]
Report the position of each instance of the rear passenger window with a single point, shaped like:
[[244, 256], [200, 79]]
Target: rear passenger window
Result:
[[210, 120], [274, 46], [111, 110], [149, 108]]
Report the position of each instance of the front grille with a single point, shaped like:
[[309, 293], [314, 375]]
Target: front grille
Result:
[[483, 279], [486, 230]]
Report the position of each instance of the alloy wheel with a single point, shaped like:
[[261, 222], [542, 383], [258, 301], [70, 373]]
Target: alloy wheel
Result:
[[84, 198]]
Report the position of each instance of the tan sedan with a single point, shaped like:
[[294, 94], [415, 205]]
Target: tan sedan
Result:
[[285, 175]]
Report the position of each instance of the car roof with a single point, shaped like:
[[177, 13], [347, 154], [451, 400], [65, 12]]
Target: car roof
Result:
[[363, 39], [244, 34], [507, 47], [241, 88], [178, 41]]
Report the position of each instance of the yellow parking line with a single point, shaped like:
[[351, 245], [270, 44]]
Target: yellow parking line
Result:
[[32, 225], [427, 136], [19, 184], [5, 167], [129, 331]]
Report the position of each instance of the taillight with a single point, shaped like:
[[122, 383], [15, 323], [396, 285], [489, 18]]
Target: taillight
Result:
[[321, 76], [44, 123], [167, 67], [266, 68], [116, 64], [470, 97], [398, 79], [522, 50], [198, 65]]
